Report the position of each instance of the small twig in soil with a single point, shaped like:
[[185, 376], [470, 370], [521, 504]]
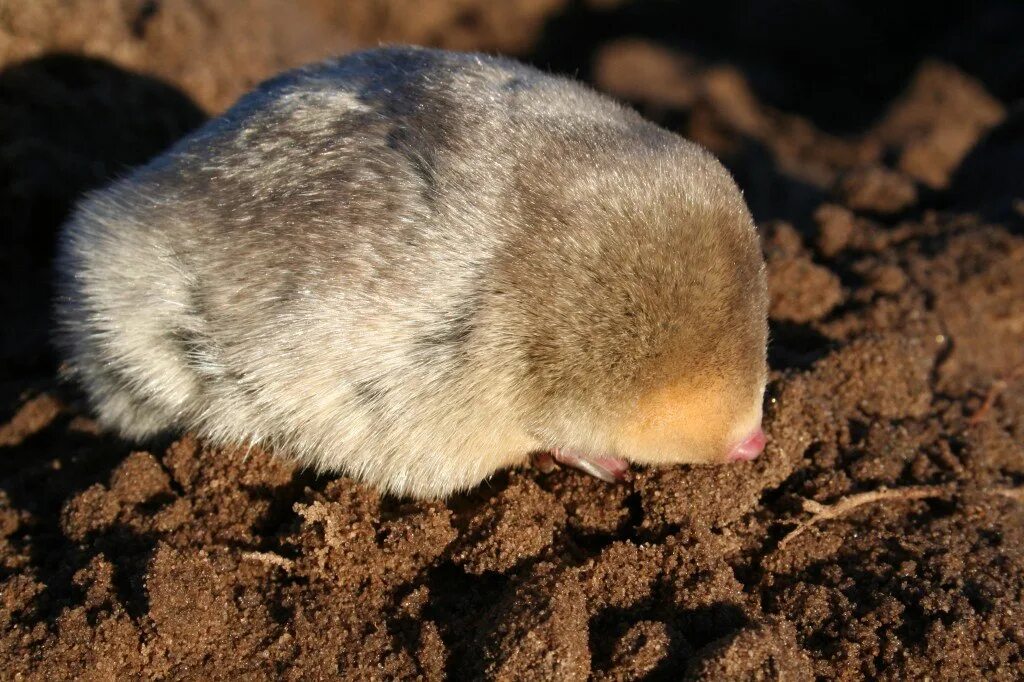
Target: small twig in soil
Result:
[[843, 506], [997, 387], [824, 512]]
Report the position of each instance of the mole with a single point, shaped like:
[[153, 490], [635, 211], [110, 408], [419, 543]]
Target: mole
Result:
[[419, 267]]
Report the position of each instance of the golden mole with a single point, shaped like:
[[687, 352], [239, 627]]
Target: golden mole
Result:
[[418, 267]]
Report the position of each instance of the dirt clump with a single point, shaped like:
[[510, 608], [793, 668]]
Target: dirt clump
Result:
[[876, 188], [940, 118]]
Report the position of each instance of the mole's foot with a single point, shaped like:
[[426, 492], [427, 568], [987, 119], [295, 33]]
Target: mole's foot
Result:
[[610, 469], [544, 461]]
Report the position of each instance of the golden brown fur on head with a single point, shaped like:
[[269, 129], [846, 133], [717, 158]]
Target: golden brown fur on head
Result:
[[644, 325]]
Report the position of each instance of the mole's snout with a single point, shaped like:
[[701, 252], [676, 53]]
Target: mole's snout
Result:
[[748, 448]]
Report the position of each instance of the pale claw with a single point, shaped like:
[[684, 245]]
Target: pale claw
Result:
[[608, 469]]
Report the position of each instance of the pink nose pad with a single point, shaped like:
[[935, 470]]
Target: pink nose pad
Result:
[[749, 448]]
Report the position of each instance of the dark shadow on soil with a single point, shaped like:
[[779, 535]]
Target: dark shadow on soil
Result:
[[68, 124], [822, 60]]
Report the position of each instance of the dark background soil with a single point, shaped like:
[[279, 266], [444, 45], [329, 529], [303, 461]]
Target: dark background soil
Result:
[[881, 148]]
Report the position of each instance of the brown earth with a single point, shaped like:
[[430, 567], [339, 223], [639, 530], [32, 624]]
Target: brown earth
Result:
[[880, 536]]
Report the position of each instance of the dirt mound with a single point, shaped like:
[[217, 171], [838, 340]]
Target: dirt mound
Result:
[[881, 534]]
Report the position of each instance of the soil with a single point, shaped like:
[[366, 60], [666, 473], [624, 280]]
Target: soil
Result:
[[880, 536]]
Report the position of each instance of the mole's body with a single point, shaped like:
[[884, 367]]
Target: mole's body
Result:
[[419, 267]]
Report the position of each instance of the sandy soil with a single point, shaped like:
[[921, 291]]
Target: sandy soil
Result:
[[881, 535]]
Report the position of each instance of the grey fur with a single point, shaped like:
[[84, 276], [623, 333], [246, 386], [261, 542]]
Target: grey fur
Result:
[[416, 267]]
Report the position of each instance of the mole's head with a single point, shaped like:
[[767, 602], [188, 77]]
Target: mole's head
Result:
[[643, 331]]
